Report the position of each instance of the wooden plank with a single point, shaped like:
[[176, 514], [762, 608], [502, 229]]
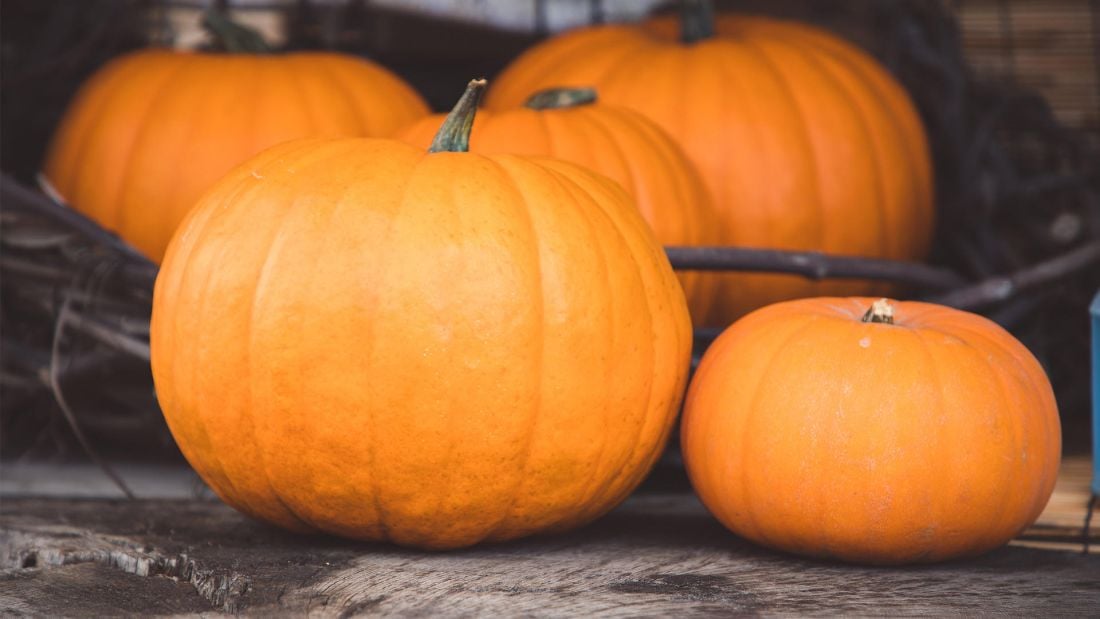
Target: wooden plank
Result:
[[1061, 524], [1071, 494], [656, 555], [87, 481]]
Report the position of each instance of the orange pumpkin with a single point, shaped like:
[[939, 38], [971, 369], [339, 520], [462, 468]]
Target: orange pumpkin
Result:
[[804, 141], [908, 433], [431, 348], [152, 130], [611, 140]]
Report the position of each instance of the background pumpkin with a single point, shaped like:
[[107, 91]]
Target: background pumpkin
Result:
[[614, 141], [152, 130], [804, 141], [428, 348], [813, 427]]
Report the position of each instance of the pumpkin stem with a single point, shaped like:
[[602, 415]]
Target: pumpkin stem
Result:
[[454, 134], [558, 98], [696, 20], [881, 311], [233, 37]]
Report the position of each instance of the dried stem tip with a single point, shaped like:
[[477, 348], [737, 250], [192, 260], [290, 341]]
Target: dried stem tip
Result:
[[454, 134], [560, 98], [233, 37], [881, 311], [696, 20]]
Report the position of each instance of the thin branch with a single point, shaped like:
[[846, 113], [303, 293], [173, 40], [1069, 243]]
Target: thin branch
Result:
[[37, 271], [997, 289], [811, 265], [32, 238], [106, 334], [11, 191], [8, 379], [70, 417], [56, 210]]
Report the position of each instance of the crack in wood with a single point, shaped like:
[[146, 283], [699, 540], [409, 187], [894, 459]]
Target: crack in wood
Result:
[[51, 547], [657, 555]]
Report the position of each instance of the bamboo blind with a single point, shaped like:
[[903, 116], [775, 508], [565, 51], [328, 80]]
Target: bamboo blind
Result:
[[1052, 46]]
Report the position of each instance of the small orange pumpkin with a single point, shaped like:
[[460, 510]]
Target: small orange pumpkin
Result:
[[804, 141], [876, 433], [432, 348], [152, 130], [569, 124]]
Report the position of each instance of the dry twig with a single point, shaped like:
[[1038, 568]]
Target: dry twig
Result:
[[70, 417]]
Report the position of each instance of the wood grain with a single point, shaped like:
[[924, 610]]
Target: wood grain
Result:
[[1060, 526], [655, 555]]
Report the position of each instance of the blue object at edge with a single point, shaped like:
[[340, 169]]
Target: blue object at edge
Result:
[[1094, 310]]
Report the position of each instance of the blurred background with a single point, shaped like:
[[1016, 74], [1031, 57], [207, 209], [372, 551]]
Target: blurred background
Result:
[[1009, 91]]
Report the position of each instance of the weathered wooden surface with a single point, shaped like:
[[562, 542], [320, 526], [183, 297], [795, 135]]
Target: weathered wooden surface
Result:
[[1059, 526], [657, 555]]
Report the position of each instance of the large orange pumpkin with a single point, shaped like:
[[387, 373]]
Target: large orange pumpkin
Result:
[[614, 141], [804, 141], [429, 348], [152, 130], [877, 433]]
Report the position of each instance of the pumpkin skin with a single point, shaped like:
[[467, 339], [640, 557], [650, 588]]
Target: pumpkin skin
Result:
[[811, 431], [431, 349], [616, 142], [804, 141], [152, 130]]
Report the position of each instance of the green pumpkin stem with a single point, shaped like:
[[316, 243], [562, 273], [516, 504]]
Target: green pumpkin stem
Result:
[[696, 20], [558, 98], [880, 311], [454, 134], [233, 37]]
